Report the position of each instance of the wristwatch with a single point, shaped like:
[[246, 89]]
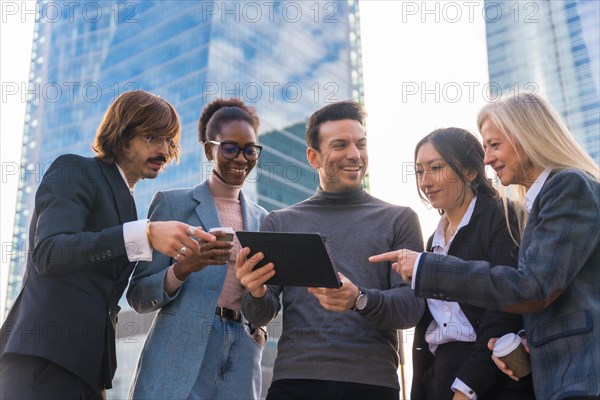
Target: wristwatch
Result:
[[361, 300]]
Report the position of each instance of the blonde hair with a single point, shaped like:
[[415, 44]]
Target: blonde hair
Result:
[[531, 125], [136, 113]]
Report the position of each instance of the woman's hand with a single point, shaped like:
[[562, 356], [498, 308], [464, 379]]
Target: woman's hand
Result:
[[253, 280], [458, 395], [206, 253], [404, 261], [501, 364]]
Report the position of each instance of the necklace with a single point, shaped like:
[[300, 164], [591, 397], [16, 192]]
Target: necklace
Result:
[[450, 230]]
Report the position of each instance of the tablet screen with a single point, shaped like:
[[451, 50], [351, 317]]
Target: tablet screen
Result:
[[300, 259]]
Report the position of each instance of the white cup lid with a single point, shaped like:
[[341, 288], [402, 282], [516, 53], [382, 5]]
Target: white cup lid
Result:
[[226, 229], [506, 344]]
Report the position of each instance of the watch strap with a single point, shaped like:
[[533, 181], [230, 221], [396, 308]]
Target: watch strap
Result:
[[361, 292]]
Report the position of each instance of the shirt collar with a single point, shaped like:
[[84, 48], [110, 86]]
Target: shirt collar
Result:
[[534, 190], [131, 188], [439, 239]]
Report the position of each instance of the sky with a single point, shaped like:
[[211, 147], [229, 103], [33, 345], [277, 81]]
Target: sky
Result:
[[425, 67]]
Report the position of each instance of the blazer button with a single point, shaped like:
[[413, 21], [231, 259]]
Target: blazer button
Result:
[[97, 257], [154, 302], [441, 295], [91, 257], [435, 296], [108, 253], [448, 299]]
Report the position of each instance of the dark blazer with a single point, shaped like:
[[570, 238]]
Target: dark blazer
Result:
[[78, 269], [485, 237], [556, 285]]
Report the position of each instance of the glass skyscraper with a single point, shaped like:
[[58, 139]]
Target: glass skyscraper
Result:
[[550, 47], [286, 58]]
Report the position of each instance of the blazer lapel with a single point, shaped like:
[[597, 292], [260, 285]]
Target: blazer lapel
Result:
[[251, 222], [124, 202], [207, 208]]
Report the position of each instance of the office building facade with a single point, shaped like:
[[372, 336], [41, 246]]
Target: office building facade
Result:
[[552, 48]]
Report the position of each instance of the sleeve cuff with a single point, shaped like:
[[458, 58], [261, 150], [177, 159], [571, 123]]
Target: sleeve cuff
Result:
[[172, 283], [136, 241], [461, 386], [414, 274]]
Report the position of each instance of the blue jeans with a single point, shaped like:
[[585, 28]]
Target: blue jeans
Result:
[[231, 365]]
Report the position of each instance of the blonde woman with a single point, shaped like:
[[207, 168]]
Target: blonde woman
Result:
[[556, 285]]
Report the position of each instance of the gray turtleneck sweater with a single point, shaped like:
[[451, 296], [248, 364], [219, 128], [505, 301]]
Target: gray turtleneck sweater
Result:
[[360, 347]]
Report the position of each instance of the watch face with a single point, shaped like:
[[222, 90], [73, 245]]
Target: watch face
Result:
[[361, 302]]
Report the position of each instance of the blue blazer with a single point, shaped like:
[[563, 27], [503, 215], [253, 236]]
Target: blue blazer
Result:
[[176, 344], [556, 285]]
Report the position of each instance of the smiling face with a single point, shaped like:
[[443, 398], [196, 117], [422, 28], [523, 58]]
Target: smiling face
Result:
[[444, 189], [141, 161], [507, 160], [235, 171], [342, 158]]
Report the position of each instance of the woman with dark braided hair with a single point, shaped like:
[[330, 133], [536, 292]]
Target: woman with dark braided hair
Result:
[[198, 346]]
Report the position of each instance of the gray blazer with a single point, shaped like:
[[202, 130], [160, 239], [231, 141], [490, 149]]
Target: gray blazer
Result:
[[556, 285], [176, 343]]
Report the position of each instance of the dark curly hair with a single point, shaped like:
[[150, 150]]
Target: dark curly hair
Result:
[[220, 111]]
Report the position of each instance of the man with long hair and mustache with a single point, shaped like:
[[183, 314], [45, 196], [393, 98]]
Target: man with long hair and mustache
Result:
[[58, 340]]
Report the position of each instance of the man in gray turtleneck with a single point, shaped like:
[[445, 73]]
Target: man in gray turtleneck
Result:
[[338, 343]]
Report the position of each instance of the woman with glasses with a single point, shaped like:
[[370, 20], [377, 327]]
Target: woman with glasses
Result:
[[450, 355], [556, 285], [198, 346]]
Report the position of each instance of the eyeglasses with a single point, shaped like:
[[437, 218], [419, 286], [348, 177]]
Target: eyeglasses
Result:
[[156, 142], [230, 150]]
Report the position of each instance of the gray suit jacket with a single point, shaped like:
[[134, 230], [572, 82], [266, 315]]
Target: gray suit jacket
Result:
[[176, 343], [556, 285]]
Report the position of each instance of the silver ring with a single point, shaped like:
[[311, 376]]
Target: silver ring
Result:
[[191, 231], [177, 257], [182, 250]]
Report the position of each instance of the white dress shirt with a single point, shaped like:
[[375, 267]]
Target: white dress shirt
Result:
[[134, 234], [534, 189], [450, 324]]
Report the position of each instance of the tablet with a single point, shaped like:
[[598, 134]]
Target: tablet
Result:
[[300, 259]]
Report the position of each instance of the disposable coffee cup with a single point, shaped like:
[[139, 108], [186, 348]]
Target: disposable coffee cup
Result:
[[226, 236], [511, 351]]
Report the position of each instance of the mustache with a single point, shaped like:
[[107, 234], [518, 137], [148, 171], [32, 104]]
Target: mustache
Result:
[[162, 159]]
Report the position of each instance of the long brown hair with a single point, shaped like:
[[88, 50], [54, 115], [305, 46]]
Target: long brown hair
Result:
[[136, 113]]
